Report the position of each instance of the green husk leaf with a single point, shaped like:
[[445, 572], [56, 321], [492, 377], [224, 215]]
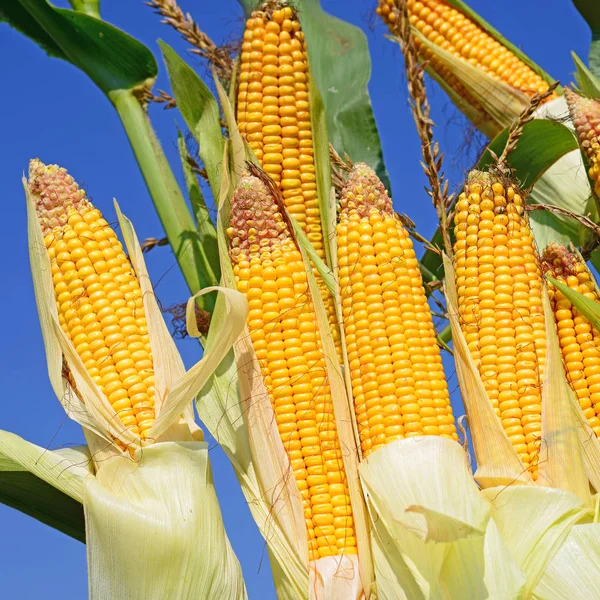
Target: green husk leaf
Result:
[[542, 144], [341, 66], [549, 514], [154, 528], [574, 570], [200, 112], [588, 82], [46, 485], [497, 462], [204, 225], [89, 7], [318, 121], [587, 307], [324, 271], [238, 150]]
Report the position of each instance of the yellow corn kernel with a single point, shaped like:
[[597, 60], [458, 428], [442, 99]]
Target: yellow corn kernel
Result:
[[450, 29], [98, 296], [499, 287], [269, 270], [398, 381], [273, 114], [579, 341]]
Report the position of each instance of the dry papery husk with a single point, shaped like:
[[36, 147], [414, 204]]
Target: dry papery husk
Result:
[[245, 426], [153, 523]]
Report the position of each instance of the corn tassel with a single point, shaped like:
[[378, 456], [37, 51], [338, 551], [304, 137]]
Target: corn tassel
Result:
[[98, 296], [273, 114], [269, 270], [398, 381], [499, 287], [579, 341]]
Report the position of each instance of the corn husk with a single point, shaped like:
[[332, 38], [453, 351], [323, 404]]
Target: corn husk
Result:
[[152, 518], [154, 529], [431, 526]]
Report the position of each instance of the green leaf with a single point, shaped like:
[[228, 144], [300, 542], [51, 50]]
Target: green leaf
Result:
[[587, 81], [112, 59], [44, 484], [541, 145], [587, 307], [589, 11], [38, 499], [204, 224], [318, 120], [200, 112]]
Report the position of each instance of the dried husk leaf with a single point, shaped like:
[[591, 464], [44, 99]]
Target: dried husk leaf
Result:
[[154, 528], [560, 462], [431, 524], [534, 522], [497, 462], [574, 571]]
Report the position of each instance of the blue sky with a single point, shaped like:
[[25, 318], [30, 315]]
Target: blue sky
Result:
[[51, 110]]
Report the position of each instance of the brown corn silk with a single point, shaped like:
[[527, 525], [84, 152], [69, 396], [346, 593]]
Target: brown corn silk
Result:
[[450, 29], [579, 341], [273, 114], [499, 287], [269, 270], [585, 113], [398, 381], [98, 296]]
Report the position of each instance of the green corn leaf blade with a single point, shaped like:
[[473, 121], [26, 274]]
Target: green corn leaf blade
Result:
[[587, 81], [34, 497], [200, 112], [588, 308], [341, 66], [589, 11], [111, 58], [206, 229], [541, 145]]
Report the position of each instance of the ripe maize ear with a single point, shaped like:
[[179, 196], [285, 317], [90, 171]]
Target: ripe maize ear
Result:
[[273, 114], [269, 270], [585, 113], [499, 287], [398, 381], [450, 29], [579, 341], [98, 296]]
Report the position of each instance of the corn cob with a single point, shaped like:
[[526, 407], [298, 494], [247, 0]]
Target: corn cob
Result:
[[269, 270], [98, 296], [273, 114], [449, 28], [499, 286], [398, 381], [585, 113], [579, 341]]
